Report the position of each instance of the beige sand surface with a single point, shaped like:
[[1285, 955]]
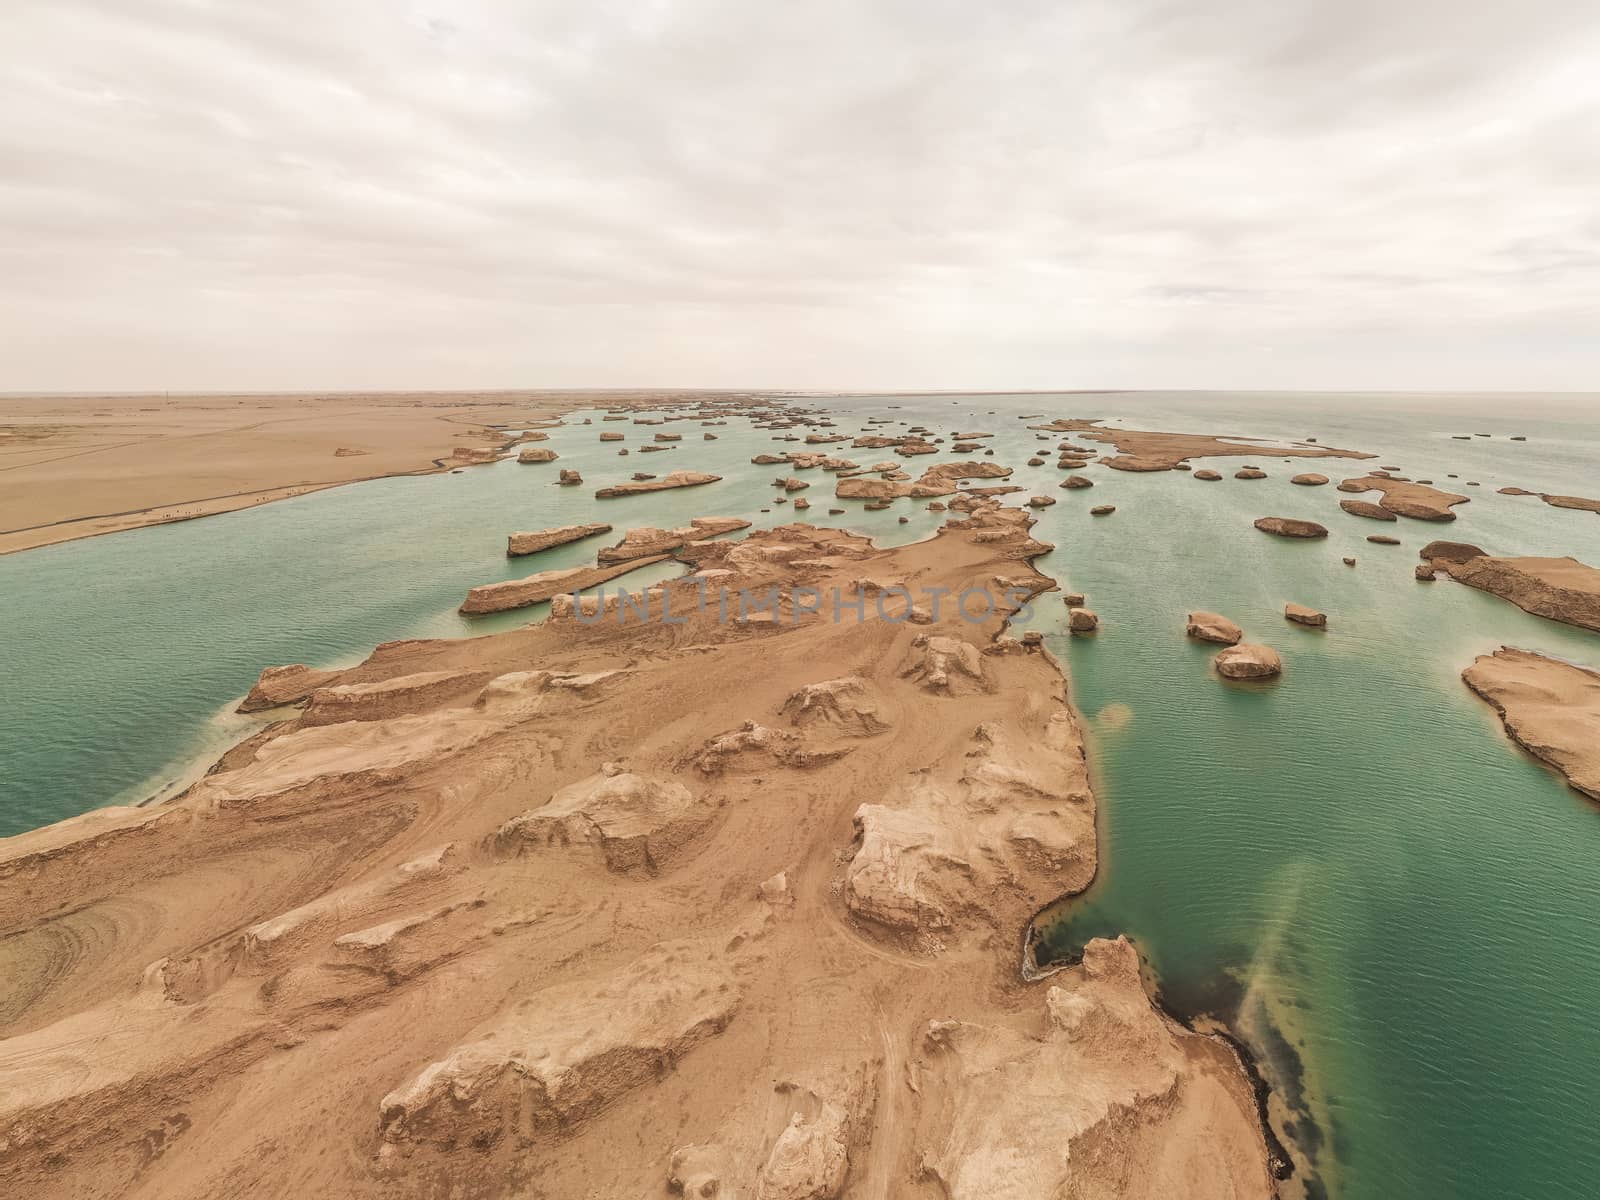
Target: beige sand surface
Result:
[[730, 909], [1550, 708], [73, 467]]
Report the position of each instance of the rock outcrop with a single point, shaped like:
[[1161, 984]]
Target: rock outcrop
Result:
[[388, 698], [1406, 498], [1365, 508], [559, 1057], [1562, 589], [1300, 614], [635, 822], [1213, 627], [649, 542], [844, 706], [537, 454], [284, 685], [676, 479], [1456, 552], [519, 593], [1248, 660], [518, 544], [1017, 1114], [1290, 527], [944, 664], [1309, 479]]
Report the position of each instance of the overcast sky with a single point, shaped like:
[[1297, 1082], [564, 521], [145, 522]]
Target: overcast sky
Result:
[[814, 194]]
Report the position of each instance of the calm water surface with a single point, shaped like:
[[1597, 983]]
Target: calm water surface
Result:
[[1394, 907]]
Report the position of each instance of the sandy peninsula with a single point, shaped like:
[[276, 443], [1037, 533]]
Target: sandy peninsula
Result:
[[77, 466], [599, 909], [1548, 707]]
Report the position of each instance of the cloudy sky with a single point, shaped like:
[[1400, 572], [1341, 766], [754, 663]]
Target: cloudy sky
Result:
[[847, 194]]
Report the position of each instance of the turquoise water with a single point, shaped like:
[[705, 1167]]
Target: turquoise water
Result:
[[1394, 907]]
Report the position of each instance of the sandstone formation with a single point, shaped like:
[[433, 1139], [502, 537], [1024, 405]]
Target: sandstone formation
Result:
[[1458, 552], [397, 697], [284, 685], [1077, 481], [1013, 1111], [519, 593], [1213, 627], [1550, 708], [1041, 501], [1013, 813], [540, 935], [1300, 614], [1290, 527], [1083, 620], [1562, 589], [649, 542], [938, 480], [565, 1052], [1309, 479], [1146, 450], [1248, 660], [635, 822], [1250, 473], [518, 544], [1383, 539], [1208, 475], [677, 479], [611, 436], [570, 478], [843, 706], [1406, 498], [1102, 510], [537, 454], [1365, 508]]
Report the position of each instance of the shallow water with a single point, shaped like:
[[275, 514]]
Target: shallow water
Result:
[[1353, 866]]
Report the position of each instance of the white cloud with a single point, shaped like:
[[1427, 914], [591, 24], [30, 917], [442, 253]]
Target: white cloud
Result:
[[851, 193]]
